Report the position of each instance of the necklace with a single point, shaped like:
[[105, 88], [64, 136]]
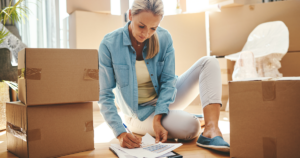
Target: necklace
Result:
[[139, 44]]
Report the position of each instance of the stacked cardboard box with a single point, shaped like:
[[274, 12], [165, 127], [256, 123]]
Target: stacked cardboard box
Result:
[[264, 118], [230, 28], [290, 64], [55, 115], [49, 130], [87, 29], [102, 6]]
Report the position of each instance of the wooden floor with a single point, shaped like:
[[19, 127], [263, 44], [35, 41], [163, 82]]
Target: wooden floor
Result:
[[104, 137]]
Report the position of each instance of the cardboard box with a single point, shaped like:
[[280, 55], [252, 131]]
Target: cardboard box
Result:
[[264, 118], [50, 130], [227, 67], [225, 97], [230, 28], [102, 6], [87, 29], [56, 76], [190, 44], [290, 65], [4, 97], [233, 3]]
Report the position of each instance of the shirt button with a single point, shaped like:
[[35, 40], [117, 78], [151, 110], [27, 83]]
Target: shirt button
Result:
[[155, 86], [151, 74], [147, 62]]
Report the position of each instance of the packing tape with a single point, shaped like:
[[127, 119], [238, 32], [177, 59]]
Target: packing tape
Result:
[[35, 74], [268, 90], [34, 135], [16, 131], [89, 126], [269, 147], [91, 74], [30, 73]]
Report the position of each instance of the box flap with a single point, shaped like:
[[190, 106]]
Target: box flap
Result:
[[21, 80], [288, 78]]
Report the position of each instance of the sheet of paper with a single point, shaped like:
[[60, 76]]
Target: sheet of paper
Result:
[[148, 139], [122, 154], [149, 150]]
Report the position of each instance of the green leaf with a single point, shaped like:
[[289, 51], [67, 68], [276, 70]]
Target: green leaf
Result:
[[3, 35], [14, 13]]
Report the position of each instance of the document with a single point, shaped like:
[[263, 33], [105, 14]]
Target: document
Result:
[[148, 150]]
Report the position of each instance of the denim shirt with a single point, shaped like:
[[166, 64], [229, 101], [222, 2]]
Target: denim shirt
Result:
[[117, 72]]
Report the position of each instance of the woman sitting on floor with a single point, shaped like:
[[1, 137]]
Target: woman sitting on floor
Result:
[[138, 61]]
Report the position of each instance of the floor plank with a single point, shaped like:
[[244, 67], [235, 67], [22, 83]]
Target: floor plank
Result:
[[104, 137]]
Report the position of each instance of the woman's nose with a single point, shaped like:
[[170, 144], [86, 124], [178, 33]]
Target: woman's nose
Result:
[[145, 33]]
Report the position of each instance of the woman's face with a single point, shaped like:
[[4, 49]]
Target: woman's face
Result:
[[144, 25]]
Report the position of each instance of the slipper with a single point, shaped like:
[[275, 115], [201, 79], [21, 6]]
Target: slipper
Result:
[[216, 143]]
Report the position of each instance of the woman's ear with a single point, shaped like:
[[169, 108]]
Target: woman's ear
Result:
[[130, 15]]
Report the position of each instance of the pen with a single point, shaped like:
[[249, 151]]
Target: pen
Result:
[[130, 132], [128, 129]]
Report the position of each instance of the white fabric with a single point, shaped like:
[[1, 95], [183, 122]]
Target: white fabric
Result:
[[269, 42], [267, 38]]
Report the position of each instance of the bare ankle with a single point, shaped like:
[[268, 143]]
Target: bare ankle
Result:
[[212, 132], [211, 126]]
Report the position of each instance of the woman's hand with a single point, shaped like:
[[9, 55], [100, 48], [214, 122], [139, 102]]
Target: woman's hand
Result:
[[127, 140], [160, 132]]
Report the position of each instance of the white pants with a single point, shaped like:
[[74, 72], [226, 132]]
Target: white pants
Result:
[[203, 77]]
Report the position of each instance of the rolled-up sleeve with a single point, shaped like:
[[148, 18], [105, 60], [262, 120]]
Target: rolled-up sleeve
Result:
[[107, 97], [168, 81]]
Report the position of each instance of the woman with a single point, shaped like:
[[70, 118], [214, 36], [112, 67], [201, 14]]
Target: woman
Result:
[[138, 61]]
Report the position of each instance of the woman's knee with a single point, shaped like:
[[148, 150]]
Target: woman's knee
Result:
[[182, 125], [193, 129], [208, 60]]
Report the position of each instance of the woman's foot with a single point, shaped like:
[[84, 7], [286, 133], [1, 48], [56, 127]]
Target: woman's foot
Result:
[[211, 131], [211, 117], [212, 137], [216, 143]]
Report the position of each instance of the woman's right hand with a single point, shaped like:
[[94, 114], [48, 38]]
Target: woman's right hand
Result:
[[127, 140]]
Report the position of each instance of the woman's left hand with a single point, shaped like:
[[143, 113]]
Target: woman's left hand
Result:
[[160, 132]]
